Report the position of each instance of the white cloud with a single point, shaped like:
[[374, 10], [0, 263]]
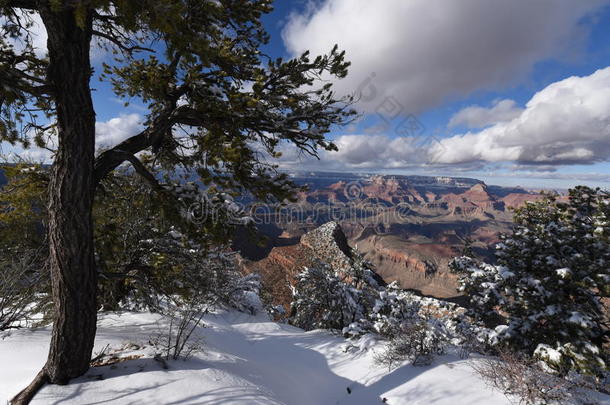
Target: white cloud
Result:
[[116, 130], [39, 36], [423, 52], [9, 153], [361, 152], [370, 151], [568, 122], [553, 175], [479, 117]]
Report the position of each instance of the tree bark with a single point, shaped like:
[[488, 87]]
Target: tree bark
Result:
[[73, 273]]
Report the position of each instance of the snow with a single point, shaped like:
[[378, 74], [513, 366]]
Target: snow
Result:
[[564, 272], [548, 353], [246, 360]]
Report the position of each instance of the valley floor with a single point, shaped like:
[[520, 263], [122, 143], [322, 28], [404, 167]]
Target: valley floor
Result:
[[246, 360]]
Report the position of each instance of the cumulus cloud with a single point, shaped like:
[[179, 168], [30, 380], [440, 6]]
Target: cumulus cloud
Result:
[[479, 117], [363, 152], [423, 52], [568, 122], [372, 151], [116, 130]]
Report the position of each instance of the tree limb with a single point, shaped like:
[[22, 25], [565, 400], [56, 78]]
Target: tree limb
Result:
[[139, 168], [109, 160], [23, 4], [118, 43]]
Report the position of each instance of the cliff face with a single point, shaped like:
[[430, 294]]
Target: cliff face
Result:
[[411, 266], [516, 200], [420, 267], [329, 244], [326, 244], [476, 201]]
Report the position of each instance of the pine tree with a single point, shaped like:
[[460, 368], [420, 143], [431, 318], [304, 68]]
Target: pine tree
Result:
[[323, 301], [217, 105], [552, 273]]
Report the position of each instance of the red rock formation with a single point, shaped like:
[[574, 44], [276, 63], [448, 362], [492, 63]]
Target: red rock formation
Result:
[[515, 200], [326, 244]]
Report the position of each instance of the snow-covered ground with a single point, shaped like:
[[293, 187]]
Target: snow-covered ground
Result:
[[247, 360]]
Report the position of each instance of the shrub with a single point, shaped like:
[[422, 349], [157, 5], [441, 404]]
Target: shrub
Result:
[[354, 303], [417, 341], [216, 283], [243, 293], [322, 301], [523, 380], [323, 298], [180, 340], [149, 244]]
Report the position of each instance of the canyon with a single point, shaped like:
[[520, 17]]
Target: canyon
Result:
[[408, 227]]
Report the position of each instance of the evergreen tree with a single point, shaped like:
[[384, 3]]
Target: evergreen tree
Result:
[[23, 207], [216, 104], [24, 281], [552, 273], [328, 299], [322, 301]]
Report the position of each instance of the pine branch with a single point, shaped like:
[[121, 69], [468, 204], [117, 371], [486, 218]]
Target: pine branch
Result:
[[116, 41], [150, 137]]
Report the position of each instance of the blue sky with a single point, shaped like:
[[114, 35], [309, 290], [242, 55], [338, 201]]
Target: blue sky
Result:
[[574, 42], [511, 92]]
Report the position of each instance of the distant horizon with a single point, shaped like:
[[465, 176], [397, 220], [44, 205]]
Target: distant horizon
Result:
[[536, 184], [485, 179]]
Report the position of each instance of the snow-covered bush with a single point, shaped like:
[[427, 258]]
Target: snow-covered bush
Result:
[[523, 380], [551, 275], [185, 272], [321, 300], [341, 300], [355, 303], [243, 293], [417, 341], [393, 307], [418, 328]]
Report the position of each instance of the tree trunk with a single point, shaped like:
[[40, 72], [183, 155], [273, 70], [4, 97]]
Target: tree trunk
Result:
[[73, 273], [71, 255], [70, 228]]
